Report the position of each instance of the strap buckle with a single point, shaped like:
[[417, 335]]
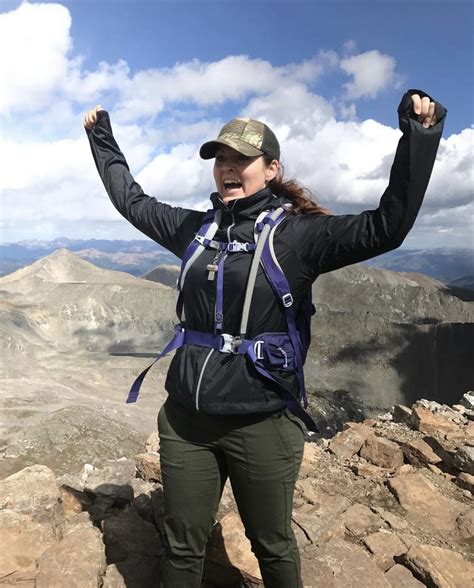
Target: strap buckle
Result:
[[231, 343], [258, 348], [233, 246], [287, 300]]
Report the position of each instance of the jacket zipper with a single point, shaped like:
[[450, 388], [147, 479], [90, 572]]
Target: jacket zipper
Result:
[[230, 226], [198, 387]]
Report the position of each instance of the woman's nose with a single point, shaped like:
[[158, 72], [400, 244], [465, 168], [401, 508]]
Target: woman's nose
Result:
[[228, 166]]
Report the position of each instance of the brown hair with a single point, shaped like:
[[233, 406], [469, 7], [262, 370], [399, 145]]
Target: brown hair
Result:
[[302, 198]]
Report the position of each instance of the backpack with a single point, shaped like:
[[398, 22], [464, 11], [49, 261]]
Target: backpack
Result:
[[270, 353]]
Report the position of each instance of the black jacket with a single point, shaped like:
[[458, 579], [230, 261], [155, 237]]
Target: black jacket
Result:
[[306, 246]]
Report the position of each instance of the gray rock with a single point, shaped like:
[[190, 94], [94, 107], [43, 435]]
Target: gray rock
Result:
[[468, 400], [464, 459], [401, 414], [459, 408], [113, 481], [66, 438]]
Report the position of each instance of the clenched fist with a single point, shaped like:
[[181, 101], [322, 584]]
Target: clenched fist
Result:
[[425, 109], [91, 116]]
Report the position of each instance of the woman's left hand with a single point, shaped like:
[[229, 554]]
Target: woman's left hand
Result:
[[425, 109]]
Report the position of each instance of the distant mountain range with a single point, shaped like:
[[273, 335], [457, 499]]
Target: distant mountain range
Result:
[[386, 337], [135, 257], [139, 257]]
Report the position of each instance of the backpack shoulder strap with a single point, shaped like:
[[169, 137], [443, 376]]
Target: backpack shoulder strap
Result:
[[210, 224], [269, 221]]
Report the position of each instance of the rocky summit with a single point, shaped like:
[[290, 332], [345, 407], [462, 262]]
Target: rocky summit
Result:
[[383, 498], [385, 502]]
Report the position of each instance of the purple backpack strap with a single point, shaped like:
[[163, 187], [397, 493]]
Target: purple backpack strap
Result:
[[176, 341], [280, 285], [208, 229]]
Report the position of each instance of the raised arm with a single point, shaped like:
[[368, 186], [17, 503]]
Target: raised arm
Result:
[[171, 227], [330, 242]]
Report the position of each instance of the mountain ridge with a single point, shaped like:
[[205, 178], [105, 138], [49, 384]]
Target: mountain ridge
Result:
[[140, 257]]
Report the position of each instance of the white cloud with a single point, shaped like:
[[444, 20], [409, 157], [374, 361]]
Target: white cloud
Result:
[[232, 78], [291, 109], [49, 184], [371, 72], [34, 42], [178, 176], [452, 182]]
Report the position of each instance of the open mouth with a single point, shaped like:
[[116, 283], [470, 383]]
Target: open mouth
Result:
[[232, 185]]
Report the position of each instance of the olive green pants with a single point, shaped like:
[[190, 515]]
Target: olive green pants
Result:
[[261, 455]]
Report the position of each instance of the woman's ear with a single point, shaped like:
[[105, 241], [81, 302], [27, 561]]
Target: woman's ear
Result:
[[272, 170]]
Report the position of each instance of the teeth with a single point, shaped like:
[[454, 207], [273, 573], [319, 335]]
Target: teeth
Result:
[[232, 184]]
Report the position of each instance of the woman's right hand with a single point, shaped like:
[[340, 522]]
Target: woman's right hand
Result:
[[91, 116]]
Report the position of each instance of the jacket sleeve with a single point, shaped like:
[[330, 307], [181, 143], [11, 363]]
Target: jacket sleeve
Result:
[[326, 243], [171, 227]]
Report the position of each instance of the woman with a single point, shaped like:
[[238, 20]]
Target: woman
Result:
[[222, 418]]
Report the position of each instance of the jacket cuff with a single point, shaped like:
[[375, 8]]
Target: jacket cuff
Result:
[[406, 113], [102, 117]]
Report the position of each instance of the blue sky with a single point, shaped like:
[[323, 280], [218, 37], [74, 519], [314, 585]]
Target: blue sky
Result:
[[328, 77]]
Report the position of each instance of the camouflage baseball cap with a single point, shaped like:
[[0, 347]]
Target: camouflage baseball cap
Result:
[[245, 135]]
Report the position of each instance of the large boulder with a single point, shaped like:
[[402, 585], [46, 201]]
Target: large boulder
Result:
[[23, 541], [340, 563], [229, 547], [439, 567], [420, 498], [32, 491], [78, 561], [382, 452], [347, 443]]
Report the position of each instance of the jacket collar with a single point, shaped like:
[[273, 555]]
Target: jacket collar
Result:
[[250, 206]]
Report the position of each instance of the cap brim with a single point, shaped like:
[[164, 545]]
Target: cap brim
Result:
[[208, 150]]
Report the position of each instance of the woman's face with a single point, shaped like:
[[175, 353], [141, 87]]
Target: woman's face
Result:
[[238, 175]]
